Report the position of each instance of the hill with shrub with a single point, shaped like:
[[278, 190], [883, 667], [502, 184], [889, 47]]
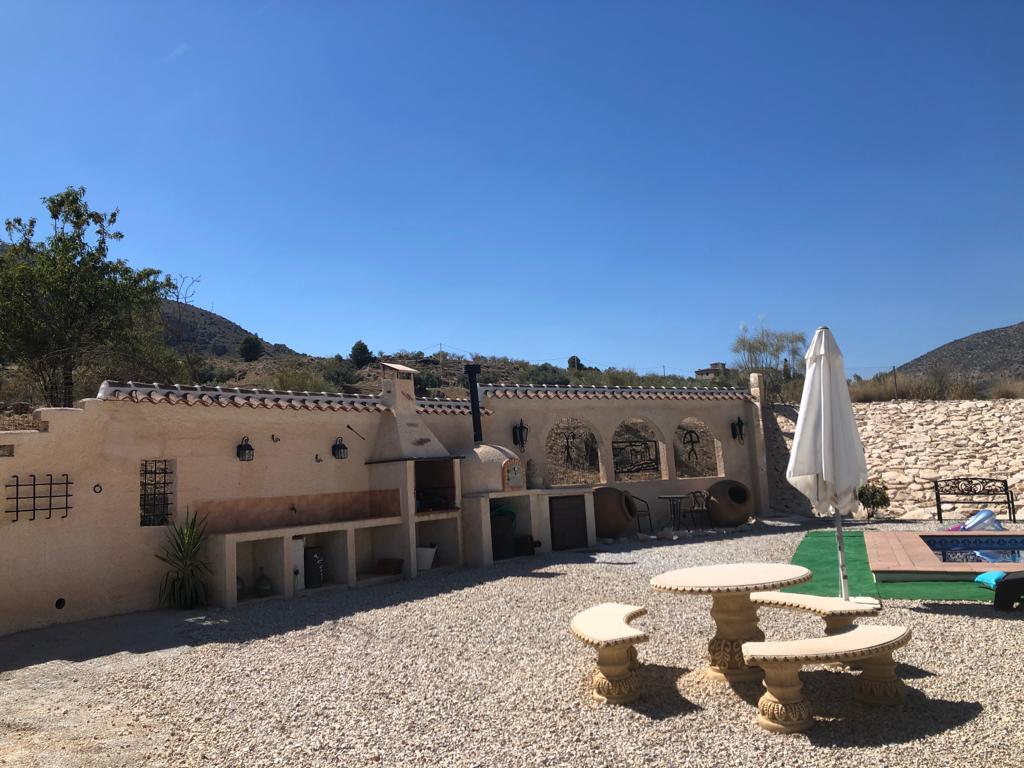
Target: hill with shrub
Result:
[[985, 357]]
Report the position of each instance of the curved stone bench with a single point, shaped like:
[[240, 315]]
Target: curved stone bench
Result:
[[606, 628], [837, 613], [783, 709]]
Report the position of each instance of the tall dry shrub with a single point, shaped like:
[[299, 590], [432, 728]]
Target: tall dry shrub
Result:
[[1007, 388]]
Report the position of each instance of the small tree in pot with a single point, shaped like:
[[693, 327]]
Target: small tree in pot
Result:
[[873, 497]]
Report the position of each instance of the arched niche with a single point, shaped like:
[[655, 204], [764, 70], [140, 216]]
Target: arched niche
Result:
[[572, 454], [636, 451], [698, 452]]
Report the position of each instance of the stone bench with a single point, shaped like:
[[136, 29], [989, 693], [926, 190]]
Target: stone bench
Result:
[[837, 613], [783, 709], [606, 628]]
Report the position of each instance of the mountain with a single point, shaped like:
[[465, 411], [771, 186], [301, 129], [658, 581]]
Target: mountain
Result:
[[985, 356], [207, 333]]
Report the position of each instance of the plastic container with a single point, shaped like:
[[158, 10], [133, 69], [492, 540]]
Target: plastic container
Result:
[[425, 558]]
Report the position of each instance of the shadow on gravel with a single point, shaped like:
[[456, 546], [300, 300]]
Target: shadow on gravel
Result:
[[910, 672], [972, 610], [844, 722], [153, 631], [748, 690], [661, 698]]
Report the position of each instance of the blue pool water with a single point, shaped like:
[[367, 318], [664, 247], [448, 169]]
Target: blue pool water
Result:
[[977, 549]]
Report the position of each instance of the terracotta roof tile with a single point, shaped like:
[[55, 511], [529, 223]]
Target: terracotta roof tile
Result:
[[173, 394], [448, 407], [531, 391]]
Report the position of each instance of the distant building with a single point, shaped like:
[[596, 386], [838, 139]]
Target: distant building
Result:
[[713, 371]]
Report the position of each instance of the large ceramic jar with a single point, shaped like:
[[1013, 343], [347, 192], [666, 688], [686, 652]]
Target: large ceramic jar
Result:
[[264, 587], [730, 503]]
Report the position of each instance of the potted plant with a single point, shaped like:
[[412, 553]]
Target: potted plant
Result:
[[873, 497], [183, 585]]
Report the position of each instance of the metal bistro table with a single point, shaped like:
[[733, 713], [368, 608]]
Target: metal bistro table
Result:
[[697, 506], [735, 616]]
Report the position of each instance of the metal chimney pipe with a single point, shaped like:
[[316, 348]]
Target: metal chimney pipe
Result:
[[472, 371]]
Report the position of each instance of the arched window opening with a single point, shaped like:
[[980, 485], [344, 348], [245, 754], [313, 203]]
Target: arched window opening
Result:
[[636, 452], [698, 452], [571, 449]]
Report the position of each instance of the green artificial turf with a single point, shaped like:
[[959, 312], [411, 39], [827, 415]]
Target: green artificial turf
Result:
[[818, 552]]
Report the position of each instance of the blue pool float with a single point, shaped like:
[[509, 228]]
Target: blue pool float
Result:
[[985, 520]]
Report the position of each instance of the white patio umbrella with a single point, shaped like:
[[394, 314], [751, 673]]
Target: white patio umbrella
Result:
[[827, 461]]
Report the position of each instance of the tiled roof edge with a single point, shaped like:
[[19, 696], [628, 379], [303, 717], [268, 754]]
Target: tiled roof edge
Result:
[[173, 394], [562, 390], [444, 405]]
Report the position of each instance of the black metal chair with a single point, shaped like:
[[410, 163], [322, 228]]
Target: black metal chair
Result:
[[699, 509], [695, 515], [645, 512]]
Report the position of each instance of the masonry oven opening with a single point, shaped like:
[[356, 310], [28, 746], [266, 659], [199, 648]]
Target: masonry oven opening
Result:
[[435, 485]]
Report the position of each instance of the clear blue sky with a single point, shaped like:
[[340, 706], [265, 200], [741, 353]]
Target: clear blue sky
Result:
[[628, 182]]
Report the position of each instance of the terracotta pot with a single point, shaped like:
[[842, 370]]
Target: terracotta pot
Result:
[[614, 513], [263, 587], [730, 503]]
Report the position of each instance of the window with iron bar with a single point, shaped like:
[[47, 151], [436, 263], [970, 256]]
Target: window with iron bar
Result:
[[156, 491]]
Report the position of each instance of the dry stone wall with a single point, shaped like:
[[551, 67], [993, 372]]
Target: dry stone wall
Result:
[[909, 443]]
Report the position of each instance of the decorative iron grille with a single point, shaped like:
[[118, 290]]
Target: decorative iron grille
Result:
[[37, 496], [635, 456], [156, 487]]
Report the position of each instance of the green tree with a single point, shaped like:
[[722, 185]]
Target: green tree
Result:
[[250, 348], [66, 303], [340, 372], [575, 364], [360, 354], [766, 352], [427, 384]]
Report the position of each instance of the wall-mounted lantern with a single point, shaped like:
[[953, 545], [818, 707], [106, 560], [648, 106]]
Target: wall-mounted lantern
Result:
[[737, 429], [339, 450], [244, 450], [519, 434]]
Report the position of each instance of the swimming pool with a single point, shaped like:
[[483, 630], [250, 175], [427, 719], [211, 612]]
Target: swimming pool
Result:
[[942, 555], [977, 549]]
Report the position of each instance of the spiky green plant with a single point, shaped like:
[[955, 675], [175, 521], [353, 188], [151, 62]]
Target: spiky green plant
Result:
[[183, 585]]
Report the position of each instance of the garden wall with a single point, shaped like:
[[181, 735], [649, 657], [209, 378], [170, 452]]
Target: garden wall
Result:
[[909, 443]]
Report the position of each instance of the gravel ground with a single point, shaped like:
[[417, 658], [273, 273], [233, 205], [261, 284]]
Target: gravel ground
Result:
[[477, 668]]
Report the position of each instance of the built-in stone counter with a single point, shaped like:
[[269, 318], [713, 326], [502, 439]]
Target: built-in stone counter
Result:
[[476, 519]]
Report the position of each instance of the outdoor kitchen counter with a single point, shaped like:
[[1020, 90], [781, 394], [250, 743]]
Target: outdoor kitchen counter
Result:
[[735, 616]]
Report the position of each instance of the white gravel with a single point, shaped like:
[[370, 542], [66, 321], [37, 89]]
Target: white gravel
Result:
[[477, 668]]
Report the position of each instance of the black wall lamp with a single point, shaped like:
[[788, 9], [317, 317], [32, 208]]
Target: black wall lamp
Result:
[[519, 434], [737, 429], [339, 450], [245, 451]]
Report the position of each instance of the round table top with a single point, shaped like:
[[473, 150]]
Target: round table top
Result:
[[738, 577]]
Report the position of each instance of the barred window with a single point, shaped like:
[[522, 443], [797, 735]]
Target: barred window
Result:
[[156, 488]]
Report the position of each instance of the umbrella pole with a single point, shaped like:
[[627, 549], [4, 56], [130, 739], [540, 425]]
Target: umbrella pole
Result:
[[844, 586]]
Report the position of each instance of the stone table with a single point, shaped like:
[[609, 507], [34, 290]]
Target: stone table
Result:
[[735, 616]]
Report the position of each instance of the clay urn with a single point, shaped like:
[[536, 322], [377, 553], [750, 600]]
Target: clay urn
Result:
[[730, 503]]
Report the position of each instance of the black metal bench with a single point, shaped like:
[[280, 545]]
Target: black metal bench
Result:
[[975, 491]]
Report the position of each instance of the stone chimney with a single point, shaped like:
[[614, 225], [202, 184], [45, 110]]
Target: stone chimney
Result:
[[402, 434]]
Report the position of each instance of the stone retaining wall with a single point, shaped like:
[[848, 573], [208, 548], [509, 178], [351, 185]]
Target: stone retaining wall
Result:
[[909, 443]]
